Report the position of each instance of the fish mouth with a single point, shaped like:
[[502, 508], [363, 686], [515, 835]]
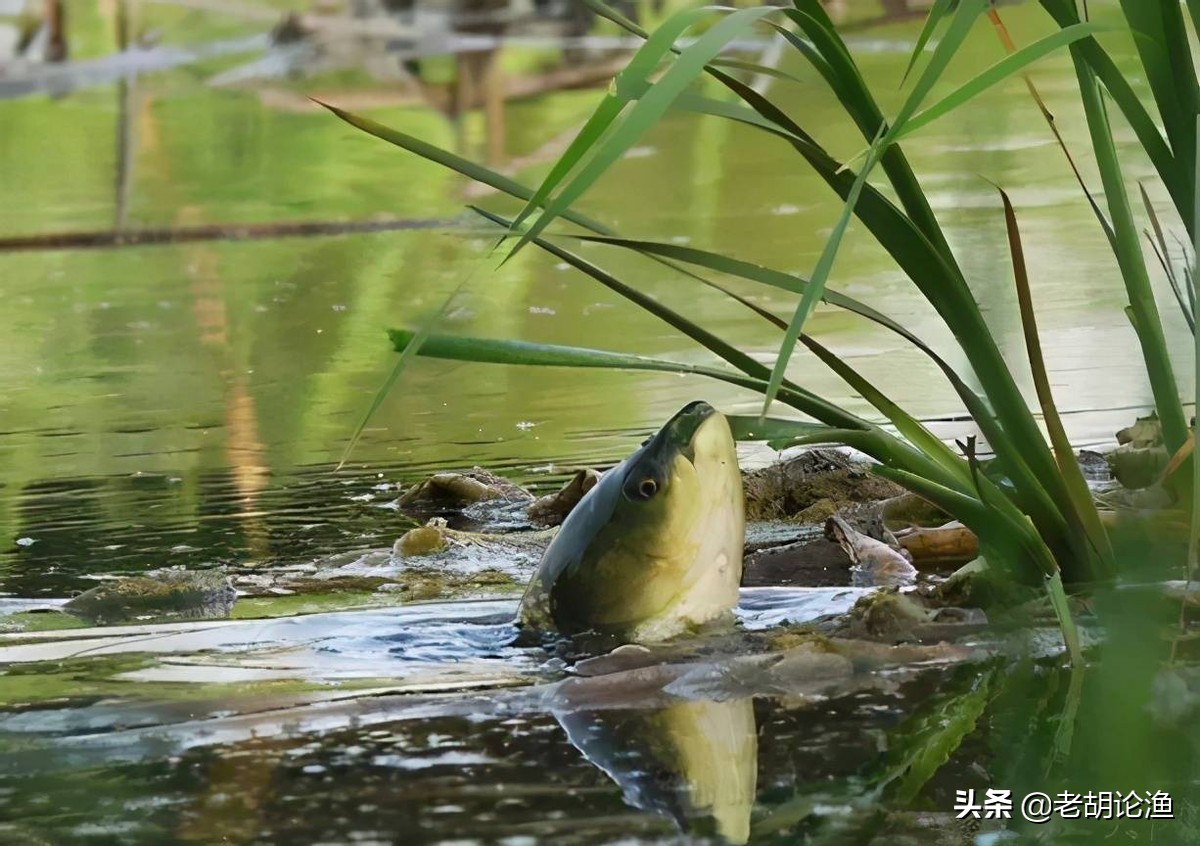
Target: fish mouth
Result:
[[681, 430]]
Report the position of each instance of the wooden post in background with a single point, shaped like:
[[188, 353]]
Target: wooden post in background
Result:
[[56, 34]]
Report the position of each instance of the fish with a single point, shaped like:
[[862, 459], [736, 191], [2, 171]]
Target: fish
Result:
[[654, 549]]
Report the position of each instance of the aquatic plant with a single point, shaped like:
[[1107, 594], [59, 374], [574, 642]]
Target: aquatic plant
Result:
[[1030, 505]]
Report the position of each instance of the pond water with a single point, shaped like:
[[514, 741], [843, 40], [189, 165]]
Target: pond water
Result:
[[161, 400], [188, 404]]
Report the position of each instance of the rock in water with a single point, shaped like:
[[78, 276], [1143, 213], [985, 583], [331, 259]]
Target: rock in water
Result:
[[552, 509], [461, 489], [813, 485], [655, 548], [159, 595]]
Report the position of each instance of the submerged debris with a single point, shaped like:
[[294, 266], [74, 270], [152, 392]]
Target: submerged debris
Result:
[[462, 489], [173, 593], [889, 616], [873, 561]]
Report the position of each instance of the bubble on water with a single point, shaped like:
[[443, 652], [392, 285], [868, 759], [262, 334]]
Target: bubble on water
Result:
[[541, 310], [26, 541], [526, 425]]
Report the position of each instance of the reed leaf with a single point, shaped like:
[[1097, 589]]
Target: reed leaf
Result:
[[1160, 37], [1019, 444], [645, 113], [713, 343], [1143, 309], [1083, 509], [1158, 243], [1010, 65], [816, 284], [830, 56], [937, 12], [957, 474], [1170, 169], [629, 85], [1010, 46], [466, 167]]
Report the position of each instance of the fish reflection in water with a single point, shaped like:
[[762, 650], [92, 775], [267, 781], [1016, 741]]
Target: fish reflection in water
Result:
[[696, 762]]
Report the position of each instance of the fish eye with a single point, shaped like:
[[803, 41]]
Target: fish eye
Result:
[[647, 488]]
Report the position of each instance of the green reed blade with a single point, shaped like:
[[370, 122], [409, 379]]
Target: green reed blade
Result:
[[628, 85], [1170, 169], [1010, 65], [937, 12], [645, 113], [1143, 308], [713, 343]]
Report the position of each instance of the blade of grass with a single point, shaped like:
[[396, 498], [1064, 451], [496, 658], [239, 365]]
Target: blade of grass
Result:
[[629, 84], [937, 12], [830, 56], [871, 438], [410, 350], [1172, 280], [1010, 65], [1062, 610], [757, 69], [964, 18], [497, 351], [957, 475], [994, 528], [1160, 37], [492, 179], [646, 112], [1170, 170], [1164, 257], [1009, 45], [1147, 322], [1193, 558], [774, 429], [1083, 509], [1019, 444], [458, 164], [816, 285], [1034, 497], [711, 342]]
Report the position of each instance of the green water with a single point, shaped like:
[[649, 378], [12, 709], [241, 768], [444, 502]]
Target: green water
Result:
[[191, 386], [188, 404]]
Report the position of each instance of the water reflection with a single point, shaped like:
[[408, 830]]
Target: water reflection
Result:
[[695, 762]]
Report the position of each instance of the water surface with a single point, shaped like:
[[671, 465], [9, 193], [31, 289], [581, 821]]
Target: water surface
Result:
[[188, 404]]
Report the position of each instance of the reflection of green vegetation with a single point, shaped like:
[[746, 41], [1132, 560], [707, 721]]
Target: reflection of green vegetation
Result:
[[926, 741], [40, 621], [89, 677]]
